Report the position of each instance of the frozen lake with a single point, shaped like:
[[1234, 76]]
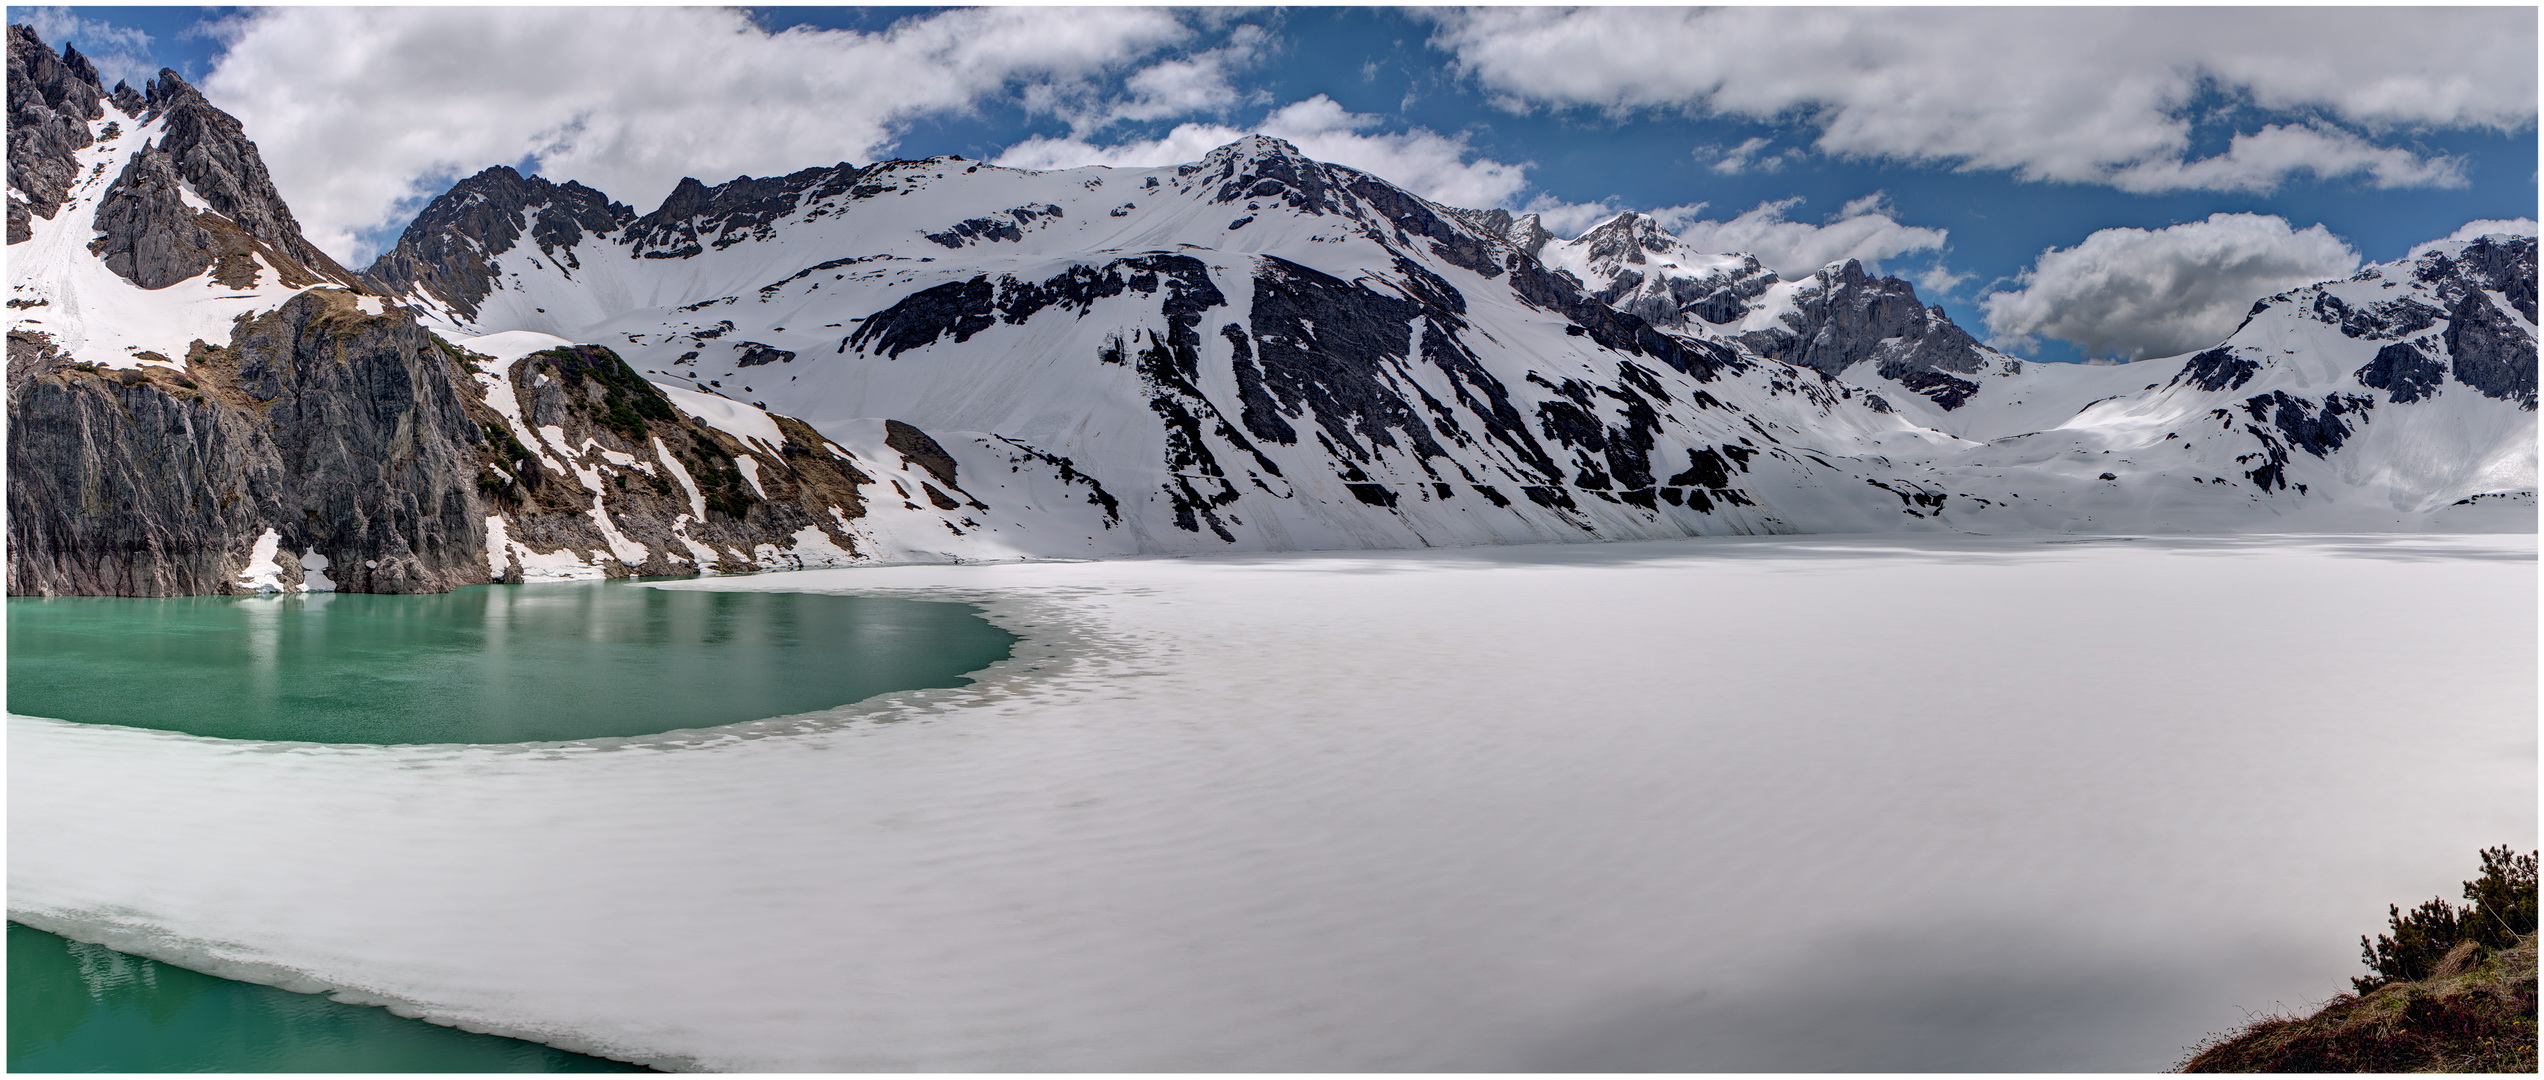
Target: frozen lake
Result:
[[1823, 803]]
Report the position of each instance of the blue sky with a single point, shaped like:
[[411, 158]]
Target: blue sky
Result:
[[2015, 163]]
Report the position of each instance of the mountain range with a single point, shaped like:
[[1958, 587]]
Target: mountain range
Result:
[[942, 359]]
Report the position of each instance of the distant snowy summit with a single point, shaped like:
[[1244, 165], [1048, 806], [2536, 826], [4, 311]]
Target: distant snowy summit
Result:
[[942, 359]]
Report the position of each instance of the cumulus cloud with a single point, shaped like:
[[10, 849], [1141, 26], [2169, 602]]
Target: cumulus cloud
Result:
[[1863, 231], [2088, 95], [2136, 293], [121, 53], [1182, 87], [362, 111], [1439, 167], [2480, 228]]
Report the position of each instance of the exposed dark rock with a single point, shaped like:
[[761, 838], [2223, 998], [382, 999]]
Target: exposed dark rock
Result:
[[958, 308], [450, 250], [1524, 232], [2391, 319], [1010, 228], [149, 234], [1263, 168], [1844, 316], [755, 354], [361, 438], [345, 433], [1411, 216], [1561, 293], [1325, 344], [2217, 369], [51, 100], [922, 451], [746, 208], [2504, 264], [2490, 351], [2304, 425], [211, 153], [2405, 372]]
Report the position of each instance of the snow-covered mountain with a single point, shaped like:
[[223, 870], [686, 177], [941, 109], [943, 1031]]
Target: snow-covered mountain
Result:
[[1255, 351]]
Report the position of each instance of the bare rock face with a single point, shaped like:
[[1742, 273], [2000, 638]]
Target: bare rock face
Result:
[[1844, 317], [365, 440], [148, 233], [51, 100], [345, 433], [448, 251], [211, 152], [685, 495]]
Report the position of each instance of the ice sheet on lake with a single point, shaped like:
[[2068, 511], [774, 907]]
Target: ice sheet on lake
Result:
[[1815, 803]]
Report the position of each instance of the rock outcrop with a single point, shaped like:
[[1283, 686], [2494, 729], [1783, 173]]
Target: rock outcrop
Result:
[[329, 447], [345, 434], [150, 234], [51, 100], [448, 251]]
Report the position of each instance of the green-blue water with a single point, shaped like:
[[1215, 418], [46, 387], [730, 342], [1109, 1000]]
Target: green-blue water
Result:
[[490, 664], [87, 1008]]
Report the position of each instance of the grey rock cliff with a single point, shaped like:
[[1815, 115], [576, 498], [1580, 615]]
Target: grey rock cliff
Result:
[[1844, 316], [149, 235], [51, 100], [345, 433]]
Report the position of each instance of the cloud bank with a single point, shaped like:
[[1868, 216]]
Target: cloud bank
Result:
[[360, 112], [2137, 293], [1438, 167], [1864, 230], [2084, 95]]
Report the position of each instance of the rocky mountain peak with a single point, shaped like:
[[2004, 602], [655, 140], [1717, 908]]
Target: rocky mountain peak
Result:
[[52, 98], [1625, 239], [153, 237], [448, 251], [1843, 316], [169, 90], [695, 216], [1260, 168]]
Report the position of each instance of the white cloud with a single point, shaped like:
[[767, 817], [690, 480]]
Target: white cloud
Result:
[[121, 53], [2090, 95], [1938, 281], [361, 111], [1183, 87], [1864, 232], [2480, 228], [1438, 167], [2260, 160], [2136, 293], [1744, 158]]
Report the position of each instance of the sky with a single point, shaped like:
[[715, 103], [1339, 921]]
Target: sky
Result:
[[2068, 183]]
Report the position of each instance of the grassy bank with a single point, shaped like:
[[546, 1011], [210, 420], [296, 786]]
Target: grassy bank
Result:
[[2452, 990]]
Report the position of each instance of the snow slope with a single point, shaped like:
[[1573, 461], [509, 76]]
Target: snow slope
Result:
[[1344, 811], [58, 287], [1262, 352]]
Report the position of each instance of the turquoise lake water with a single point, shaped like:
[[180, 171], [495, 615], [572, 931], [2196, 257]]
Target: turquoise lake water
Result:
[[491, 664], [75, 1007]]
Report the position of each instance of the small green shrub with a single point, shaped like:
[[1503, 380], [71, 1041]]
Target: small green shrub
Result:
[[2503, 910]]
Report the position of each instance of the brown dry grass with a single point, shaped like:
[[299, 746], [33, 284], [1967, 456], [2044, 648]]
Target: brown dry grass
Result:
[[2475, 1014]]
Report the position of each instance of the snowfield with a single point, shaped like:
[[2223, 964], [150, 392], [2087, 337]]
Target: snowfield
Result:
[[1832, 803]]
